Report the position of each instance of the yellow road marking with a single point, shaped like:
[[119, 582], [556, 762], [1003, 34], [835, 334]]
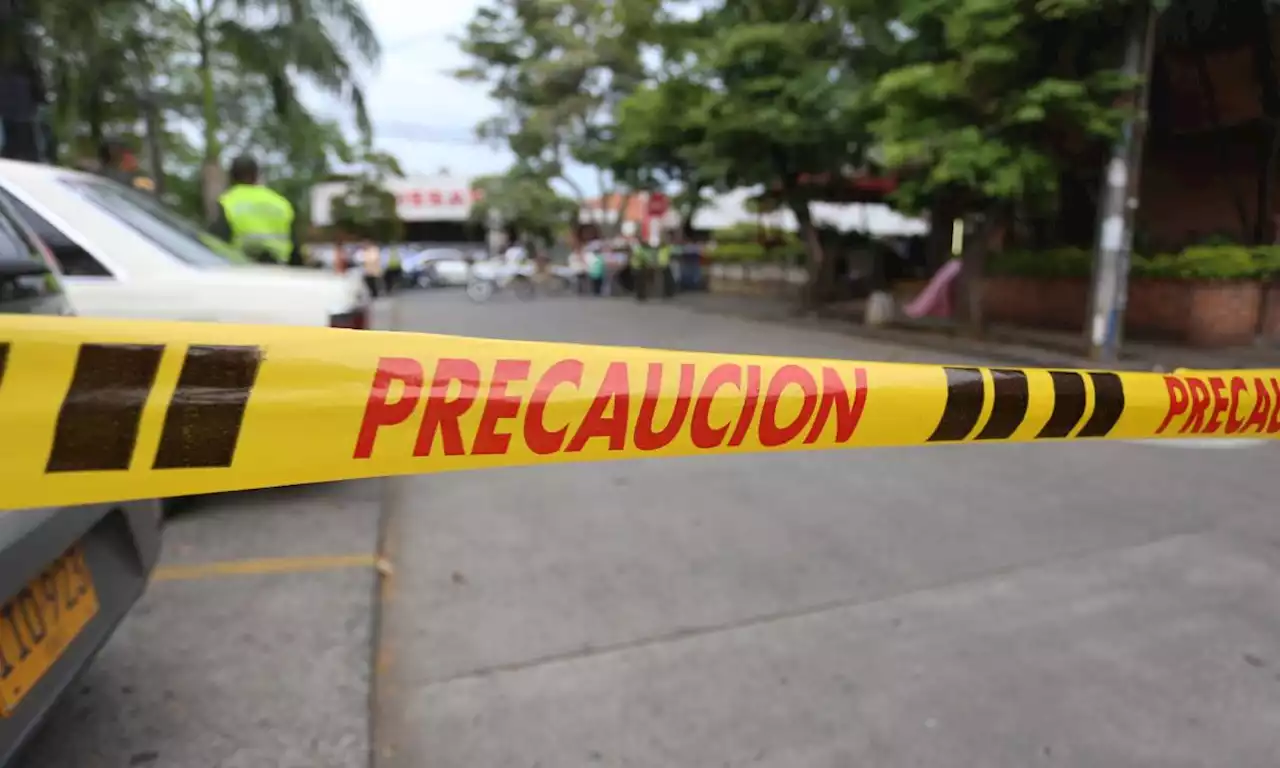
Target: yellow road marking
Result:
[[262, 566]]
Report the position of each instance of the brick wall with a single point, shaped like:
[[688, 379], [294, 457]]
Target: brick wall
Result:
[[1200, 171], [1205, 314]]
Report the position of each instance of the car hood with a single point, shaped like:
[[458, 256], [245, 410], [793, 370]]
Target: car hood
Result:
[[338, 292]]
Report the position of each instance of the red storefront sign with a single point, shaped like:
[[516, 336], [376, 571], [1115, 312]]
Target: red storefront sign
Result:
[[438, 198]]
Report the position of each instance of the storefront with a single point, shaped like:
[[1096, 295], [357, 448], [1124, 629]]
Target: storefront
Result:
[[434, 209]]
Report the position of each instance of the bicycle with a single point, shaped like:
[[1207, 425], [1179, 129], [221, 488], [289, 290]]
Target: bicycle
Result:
[[525, 281]]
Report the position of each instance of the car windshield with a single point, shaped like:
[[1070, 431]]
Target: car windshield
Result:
[[27, 283], [160, 224]]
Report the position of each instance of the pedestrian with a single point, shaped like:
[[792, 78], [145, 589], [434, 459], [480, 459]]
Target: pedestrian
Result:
[[118, 162], [256, 219], [664, 271], [371, 261], [395, 268], [641, 270], [578, 267], [596, 272]]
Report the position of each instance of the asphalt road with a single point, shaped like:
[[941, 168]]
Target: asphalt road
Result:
[[998, 605], [988, 606]]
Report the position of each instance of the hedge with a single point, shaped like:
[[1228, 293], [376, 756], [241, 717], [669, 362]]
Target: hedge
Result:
[[1199, 262]]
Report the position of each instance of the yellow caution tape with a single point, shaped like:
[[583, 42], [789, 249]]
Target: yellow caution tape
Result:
[[94, 410]]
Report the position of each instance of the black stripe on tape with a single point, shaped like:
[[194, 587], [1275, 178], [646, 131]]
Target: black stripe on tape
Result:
[[1068, 404], [98, 424], [203, 423], [965, 393], [1012, 395], [1108, 405], [4, 359]]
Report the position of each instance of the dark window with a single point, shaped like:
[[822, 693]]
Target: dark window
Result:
[[73, 260], [26, 283]]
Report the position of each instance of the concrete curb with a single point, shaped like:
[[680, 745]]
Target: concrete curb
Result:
[[1011, 354]]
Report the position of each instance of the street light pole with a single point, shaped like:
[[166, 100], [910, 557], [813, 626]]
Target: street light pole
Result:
[[1119, 203]]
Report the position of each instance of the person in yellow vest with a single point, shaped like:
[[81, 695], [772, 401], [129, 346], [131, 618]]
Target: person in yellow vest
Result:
[[256, 219], [664, 271], [642, 258]]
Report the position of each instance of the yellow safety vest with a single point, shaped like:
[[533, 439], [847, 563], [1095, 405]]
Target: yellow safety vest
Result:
[[260, 218]]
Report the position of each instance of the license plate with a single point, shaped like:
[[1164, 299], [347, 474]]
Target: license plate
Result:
[[38, 624]]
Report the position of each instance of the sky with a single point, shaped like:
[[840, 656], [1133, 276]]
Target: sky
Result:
[[420, 113]]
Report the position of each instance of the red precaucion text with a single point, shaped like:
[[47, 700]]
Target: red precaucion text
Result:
[[1212, 405], [616, 416]]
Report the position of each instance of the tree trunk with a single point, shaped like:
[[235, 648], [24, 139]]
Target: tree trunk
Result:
[[211, 181], [820, 270], [97, 131], [942, 213], [972, 265]]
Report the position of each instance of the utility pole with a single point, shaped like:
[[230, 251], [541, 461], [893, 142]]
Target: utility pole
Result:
[[1119, 197]]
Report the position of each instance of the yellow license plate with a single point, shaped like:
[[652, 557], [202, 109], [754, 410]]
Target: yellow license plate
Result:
[[38, 624]]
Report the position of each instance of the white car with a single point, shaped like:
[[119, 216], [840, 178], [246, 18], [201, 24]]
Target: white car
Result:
[[125, 254], [437, 267]]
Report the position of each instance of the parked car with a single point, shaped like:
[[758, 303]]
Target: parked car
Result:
[[437, 267], [68, 575], [123, 253]]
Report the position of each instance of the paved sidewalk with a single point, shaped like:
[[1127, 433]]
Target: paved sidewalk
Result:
[[1015, 345]]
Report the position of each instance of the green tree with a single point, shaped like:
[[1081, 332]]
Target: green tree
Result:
[[783, 106], [319, 41], [1007, 95], [658, 132], [524, 202], [100, 59], [557, 70], [366, 210]]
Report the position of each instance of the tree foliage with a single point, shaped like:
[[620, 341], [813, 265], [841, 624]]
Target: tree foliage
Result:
[[1011, 93], [366, 210], [558, 69], [231, 68], [524, 201]]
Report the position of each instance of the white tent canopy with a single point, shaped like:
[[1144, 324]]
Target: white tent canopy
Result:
[[873, 219]]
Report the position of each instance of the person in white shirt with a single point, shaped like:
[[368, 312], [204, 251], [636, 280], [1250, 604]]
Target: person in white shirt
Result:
[[515, 255], [578, 265], [371, 261]]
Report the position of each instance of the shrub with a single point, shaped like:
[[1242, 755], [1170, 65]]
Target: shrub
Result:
[[1197, 262], [1200, 262], [1059, 262], [735, 253], [1267, 258]]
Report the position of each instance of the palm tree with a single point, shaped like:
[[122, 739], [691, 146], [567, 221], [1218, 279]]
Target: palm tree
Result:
[[99, 58], [325, 42]]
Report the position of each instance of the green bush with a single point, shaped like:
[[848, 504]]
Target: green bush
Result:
[[738, 233], [792, 252], [1059, 262], [1268, 260], [734, 253], [1197, 262]]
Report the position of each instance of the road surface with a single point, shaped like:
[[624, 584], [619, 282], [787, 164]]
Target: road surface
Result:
[[998, 606]]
